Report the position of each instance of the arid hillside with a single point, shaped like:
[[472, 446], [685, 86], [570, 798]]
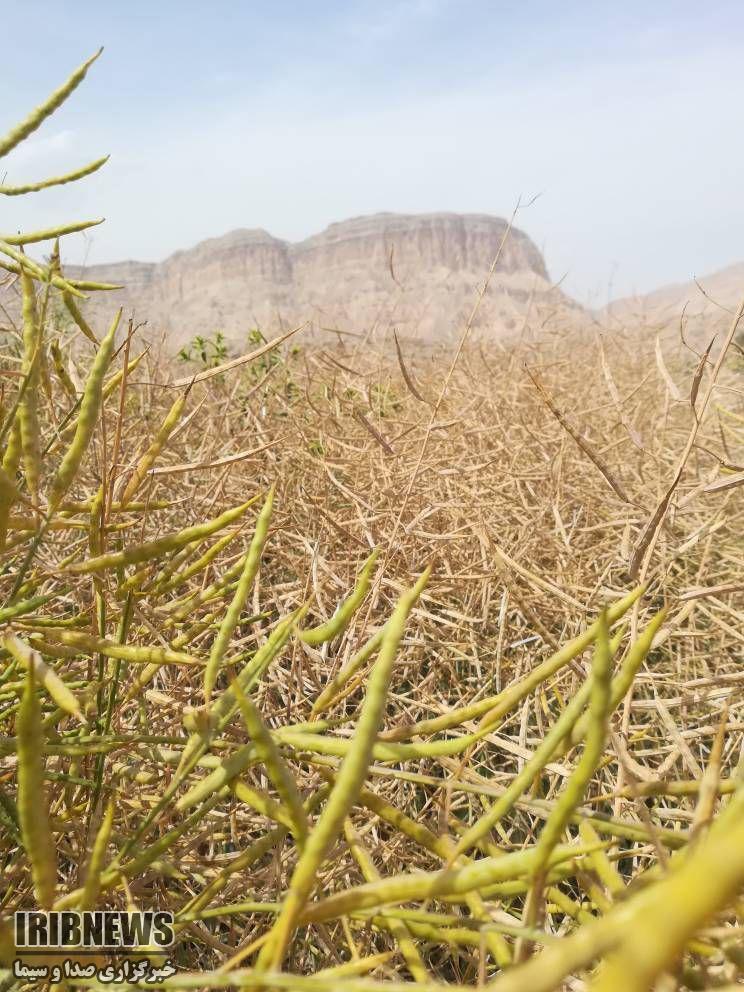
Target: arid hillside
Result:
[[418, 271], [704, 305]]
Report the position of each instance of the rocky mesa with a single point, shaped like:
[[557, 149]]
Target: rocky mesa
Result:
[[417, 272]]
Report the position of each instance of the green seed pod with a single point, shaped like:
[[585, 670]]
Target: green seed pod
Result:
[[37, 117], [227, 770], [135, 654], [249, 856], [72, 309], [154, 549], [13, 452], [8, 496], [398, 929], [110, 385], [148, 459], [69, 177], [34, 237], [275, 765], [423, 885], [331, 691], [23, 607], [95, 523], [11, 461], [555, 736], [28, 409], [172, 579], [44, 675], [62, 374], [599, 709], [230, 622], [494, 708], [342, 617], [92, 885], [87, 418], [624, 678], [261, 802], [33, 809], [24, 264], [225, 707]]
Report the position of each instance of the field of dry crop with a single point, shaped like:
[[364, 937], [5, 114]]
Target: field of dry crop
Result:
[[377, 667]]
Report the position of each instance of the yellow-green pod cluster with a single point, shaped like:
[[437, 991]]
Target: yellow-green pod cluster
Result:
[[349, 781], [139, 553]]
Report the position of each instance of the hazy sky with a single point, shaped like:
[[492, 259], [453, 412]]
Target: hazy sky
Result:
[[626, 117]]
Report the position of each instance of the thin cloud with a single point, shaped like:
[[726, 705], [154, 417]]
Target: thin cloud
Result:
[[41, 150]]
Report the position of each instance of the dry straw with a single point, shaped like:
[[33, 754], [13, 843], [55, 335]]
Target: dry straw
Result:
[[337, 778]]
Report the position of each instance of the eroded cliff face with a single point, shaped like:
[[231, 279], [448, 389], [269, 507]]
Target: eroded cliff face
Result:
[[417, 272]]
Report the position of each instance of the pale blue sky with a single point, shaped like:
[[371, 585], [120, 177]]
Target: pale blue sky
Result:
[[627, 118]]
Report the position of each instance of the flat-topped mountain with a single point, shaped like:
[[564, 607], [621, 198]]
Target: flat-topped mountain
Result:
[[419, 272]]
